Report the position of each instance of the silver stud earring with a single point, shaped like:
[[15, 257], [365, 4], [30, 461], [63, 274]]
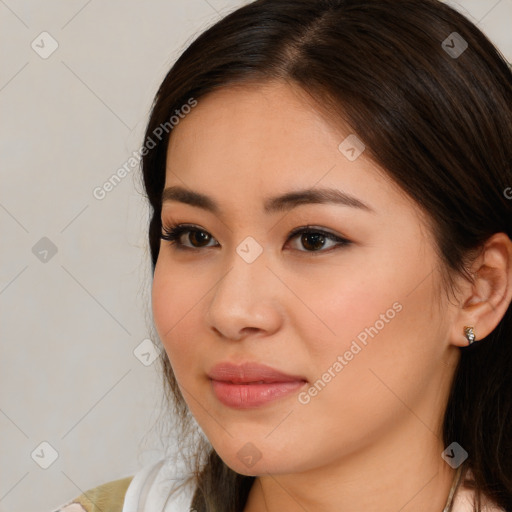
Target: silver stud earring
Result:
[[469, 332]]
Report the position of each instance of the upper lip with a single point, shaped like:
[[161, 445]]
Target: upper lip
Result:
[[250, 372]]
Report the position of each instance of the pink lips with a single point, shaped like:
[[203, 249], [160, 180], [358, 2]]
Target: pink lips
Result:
[[251, 384]]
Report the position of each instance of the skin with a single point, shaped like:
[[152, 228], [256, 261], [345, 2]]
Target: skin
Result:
[[371, 439]]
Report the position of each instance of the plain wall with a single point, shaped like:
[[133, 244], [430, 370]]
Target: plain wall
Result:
[[71, 320]]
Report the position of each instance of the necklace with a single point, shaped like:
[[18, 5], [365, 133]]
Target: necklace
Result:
[[455, 484]]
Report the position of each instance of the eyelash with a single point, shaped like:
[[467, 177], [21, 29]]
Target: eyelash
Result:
[[172, 234]]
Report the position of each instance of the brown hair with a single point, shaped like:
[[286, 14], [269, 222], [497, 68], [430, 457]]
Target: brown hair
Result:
[[439, 124]]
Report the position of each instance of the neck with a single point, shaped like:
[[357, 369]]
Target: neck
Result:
[[401, 473]]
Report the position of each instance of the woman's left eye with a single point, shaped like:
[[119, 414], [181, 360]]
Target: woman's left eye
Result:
[[313, 239]]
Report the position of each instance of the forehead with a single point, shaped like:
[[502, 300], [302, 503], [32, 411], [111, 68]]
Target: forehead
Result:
[[253, 125], [258, 140]]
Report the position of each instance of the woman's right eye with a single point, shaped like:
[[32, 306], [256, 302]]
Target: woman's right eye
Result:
[[176, 232]]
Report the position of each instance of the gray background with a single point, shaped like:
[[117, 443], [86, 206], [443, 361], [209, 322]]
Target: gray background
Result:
[[71, 320]]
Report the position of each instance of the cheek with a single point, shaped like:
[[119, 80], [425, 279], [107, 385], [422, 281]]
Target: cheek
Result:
[[376, 317], [390, 355], [164, 301], [175, 302], [384, 364], [341, 305]]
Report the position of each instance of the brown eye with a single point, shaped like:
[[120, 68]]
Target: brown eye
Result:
[[198, 238], [313, 241], [178, 234]]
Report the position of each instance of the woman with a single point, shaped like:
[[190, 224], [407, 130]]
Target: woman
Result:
[[330, 184]]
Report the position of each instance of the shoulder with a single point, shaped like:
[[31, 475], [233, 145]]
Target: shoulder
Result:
[[162, 487], [108, 497]]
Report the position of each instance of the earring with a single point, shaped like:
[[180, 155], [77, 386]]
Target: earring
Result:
[[470, 334]]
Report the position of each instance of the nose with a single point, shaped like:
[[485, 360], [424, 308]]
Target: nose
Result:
[[246, 301]]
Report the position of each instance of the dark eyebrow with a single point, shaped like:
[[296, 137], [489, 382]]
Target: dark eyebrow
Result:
[[273, 204]]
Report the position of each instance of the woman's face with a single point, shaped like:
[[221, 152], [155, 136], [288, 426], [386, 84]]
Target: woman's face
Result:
[[364, 323]]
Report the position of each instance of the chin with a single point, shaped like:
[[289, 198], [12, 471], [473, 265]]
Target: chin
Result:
[[250, 461]]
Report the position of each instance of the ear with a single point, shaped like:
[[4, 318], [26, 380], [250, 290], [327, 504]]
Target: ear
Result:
[[484, 302]]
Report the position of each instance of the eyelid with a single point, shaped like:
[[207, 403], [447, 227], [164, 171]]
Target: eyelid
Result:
[[315, 229]]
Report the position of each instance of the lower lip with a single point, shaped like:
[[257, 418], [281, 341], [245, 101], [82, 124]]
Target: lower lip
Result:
[[245, 396]]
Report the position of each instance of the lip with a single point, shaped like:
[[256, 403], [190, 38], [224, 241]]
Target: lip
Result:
[[250, 372], [251, 384]]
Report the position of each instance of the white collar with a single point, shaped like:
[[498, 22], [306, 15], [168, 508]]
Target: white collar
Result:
[[151, 487]]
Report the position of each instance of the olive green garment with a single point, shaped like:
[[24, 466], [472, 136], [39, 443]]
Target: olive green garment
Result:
[[108, 497]]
